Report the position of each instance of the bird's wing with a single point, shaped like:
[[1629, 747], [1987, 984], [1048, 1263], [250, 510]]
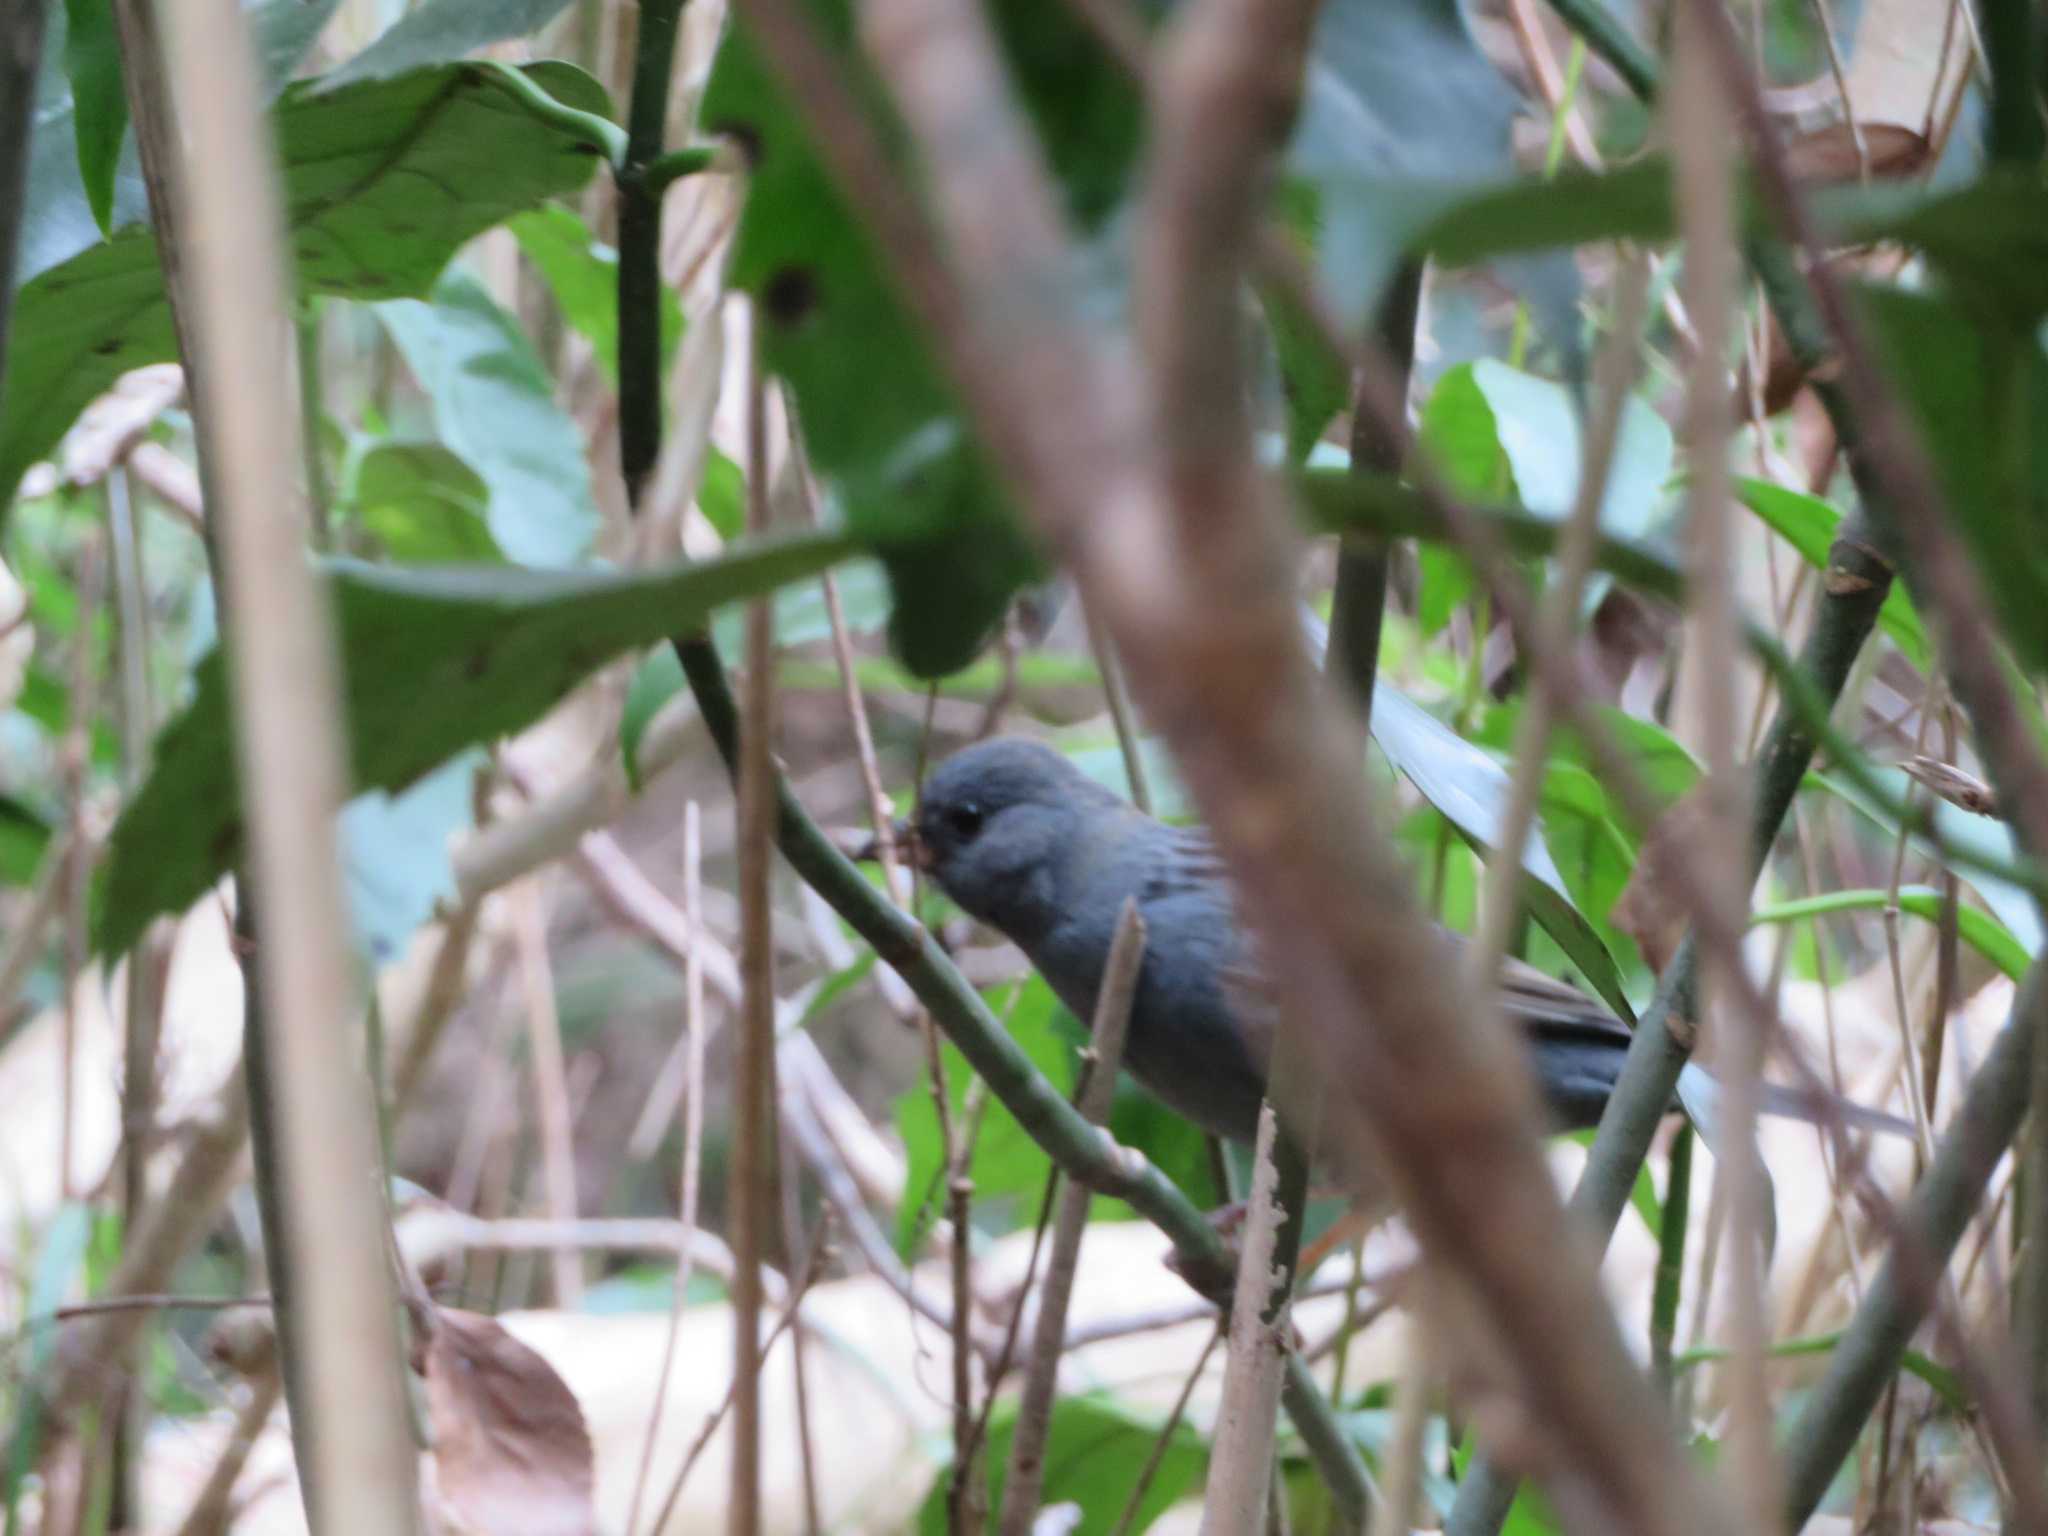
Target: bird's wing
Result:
[[1540, 1003]]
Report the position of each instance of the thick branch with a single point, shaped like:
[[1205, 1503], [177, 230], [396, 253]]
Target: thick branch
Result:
[[1191, 573], [21, 48]]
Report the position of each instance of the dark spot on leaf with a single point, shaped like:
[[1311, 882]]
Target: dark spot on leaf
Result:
[[111, 347], [745, 135], [225, 842], [790, 294], [478, 664]]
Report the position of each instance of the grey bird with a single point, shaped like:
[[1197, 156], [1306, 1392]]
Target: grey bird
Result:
[[1021, 839]]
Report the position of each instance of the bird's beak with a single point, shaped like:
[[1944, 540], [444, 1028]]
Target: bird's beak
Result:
[[908, 848]]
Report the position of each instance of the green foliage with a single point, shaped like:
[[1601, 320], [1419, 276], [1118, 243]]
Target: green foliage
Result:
[[582, 273], [24, 836], [439, 32], [395, 855], [1093, 1456], [383, 181], [1007, 1167], [1809, 525], [1471, 789], [879, 421], [1980, 397], [423, 504], [494, 405], [92, 60], [488, 649]]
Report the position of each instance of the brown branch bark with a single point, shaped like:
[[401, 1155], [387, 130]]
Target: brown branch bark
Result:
[[1178, 542]]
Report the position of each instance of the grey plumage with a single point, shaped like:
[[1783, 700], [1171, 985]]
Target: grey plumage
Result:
[[1021, 839]]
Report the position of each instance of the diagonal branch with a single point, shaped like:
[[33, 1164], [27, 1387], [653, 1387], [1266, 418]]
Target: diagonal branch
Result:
[[1193, 573]]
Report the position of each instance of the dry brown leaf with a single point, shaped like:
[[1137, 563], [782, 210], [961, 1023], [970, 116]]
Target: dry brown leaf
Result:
[[1827, 155], [511, 1455], [1952, 784]]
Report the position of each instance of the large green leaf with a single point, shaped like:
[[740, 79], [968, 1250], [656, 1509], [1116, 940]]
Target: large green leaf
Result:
[[24, 836], [880, 423], [383, 182], [1402, 117], [494, 405], [1980, 396], [439, 32], [60, 217], [1095, 1453], [433, 661]]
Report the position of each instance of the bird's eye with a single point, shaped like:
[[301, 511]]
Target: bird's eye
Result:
[[964, 821]]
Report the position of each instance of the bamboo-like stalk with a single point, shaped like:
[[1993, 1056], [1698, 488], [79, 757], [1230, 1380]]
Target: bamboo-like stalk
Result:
[[21, 49], [355, 1456]]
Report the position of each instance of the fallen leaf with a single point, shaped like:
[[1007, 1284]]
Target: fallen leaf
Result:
[[511, 1454]]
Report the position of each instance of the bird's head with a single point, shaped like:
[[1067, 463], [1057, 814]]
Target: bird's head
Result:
[[1000, 821]]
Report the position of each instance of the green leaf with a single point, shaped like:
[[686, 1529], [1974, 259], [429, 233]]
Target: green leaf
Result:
[[881, 424], [434, 660], [1980, 396], [382, 183], [1946, 1384], [722, 494], [24, 837], [2012, 904], [92, 60], [1401, 116], [1808, 524], [1981, 931], [395, 855], [440, 32], [1471, 790], [1008, 1167], [657, 679], [424, 505], [582, 273], [494, 405], [61, 217], [1094, 1453]]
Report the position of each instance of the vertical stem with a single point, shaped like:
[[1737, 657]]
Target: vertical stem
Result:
[[312, 416], [21, 50], [753, 1207], [1241, 1459], [1670, 1283], [356, 1459], [1360, 602], [640, 247], [550, 1084], [1702, 130]]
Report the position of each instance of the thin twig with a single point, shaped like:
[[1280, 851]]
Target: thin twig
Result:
[[693, 1130], [1401, 1466], [820, 1251], [1164, 1441], [1025, 1480], [752, 1179], [550, 1082]]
